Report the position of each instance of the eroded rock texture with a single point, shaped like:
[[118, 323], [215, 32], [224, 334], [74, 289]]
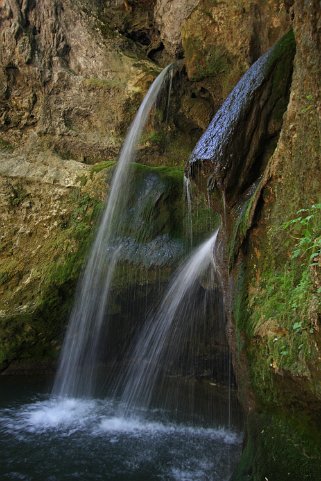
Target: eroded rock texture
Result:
[[232, 152], [170, 17], [220, 41], [65, 80]]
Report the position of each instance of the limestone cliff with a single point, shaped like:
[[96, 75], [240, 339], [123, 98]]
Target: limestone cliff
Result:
[[66, 81], [272, 270]]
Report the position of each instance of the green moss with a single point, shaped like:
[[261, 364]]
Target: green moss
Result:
[[281, 61], [167, 147], [175, 174], [82, 180], [206, 60], [103, 84], [37, 298], [171, 210], [158, 199], [275, 311], [240, 305], [275, 261], [283, 308], [107, 164], [6, 146], [8, 267], [17, 195], [179, 149], [32, 329], [240, 227], [285, 45], [280, 447], [155, 138]]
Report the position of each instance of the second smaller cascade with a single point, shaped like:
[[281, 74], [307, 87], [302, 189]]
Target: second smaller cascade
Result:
[[164, 328]]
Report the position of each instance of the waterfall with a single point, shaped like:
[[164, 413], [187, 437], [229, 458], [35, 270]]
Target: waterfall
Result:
[[75, 376], [188, 200], [162, 328]]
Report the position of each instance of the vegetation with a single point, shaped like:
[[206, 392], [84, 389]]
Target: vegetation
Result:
[[18, 195], [273, 433], [99, 83], [285, 307], [208, 60], [276, 309], [40, 291], [6, 146], [107, 164]]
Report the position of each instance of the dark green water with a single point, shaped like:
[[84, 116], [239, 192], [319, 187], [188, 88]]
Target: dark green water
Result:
[[44, 439]]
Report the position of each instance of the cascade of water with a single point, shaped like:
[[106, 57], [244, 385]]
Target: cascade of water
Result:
[[169, 94], [188, 198], [148, 352], [75, 376]]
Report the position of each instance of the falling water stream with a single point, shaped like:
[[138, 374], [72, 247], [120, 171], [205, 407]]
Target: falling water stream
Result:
[[76, 372], [69, 435], [188, 200], [148, 353]]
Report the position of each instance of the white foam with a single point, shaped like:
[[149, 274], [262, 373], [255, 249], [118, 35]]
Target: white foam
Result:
[[129, 425], [72, 430], [137, 426], [48, 415], [186, 475], [59, 413], [66, 415]]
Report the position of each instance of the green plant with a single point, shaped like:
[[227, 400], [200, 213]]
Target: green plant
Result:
[[106, 164], [155, 138], [310, 103], [285, 303], [17, 195], [6, 146], [306, 230], [101, 84]]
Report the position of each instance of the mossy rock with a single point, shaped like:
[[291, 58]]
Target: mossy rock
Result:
[[234, 150], [206, 60], [280, 447], [38, 295]]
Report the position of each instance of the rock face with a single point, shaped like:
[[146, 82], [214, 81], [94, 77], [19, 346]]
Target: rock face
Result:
[[65, 81], [170, 17], [70, 83], [47, 215], [273, 276], [231, 148], [222, 39]]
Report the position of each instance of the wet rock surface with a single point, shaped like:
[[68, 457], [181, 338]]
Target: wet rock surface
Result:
[[221, 40], [232, 147]]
